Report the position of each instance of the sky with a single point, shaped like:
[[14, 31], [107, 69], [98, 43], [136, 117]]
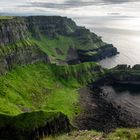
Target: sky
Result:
[[73, 8]]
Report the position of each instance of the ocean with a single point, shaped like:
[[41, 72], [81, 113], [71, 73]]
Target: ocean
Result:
[[121, 31]]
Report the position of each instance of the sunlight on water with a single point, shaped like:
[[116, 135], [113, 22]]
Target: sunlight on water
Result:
[[122, 32]]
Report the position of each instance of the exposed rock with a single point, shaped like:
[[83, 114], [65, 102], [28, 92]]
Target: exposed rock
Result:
[[72, 56], [122, 67], [22, 56], [51, 26], [13, 30], [136, 67], [59, 51], [97, 54]]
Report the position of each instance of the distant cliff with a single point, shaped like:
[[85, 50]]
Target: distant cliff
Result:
[[122, 74], [53, 39]]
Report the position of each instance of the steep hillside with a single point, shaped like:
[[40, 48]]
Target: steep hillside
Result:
[[41, 87]]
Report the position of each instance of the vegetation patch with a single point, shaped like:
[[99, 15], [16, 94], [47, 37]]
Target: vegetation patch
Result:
[[119, 134], [44, 86], [6, 17]]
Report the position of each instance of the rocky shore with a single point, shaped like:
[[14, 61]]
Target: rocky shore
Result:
[[112, 101]]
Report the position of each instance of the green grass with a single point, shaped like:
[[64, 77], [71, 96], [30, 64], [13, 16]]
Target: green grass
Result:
[[43, 86], [28, 88], [49, 46], [6, 17], [20, 45], [125, 134], [63, 43], [32, 120], [77, 135], [119, 134]]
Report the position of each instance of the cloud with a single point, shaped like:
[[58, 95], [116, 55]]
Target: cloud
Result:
[[67, 4], [73, 8]]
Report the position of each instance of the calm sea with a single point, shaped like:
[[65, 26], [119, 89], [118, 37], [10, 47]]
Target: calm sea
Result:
[[123, 32]]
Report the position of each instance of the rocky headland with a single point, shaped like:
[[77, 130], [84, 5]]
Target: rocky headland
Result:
[[54, 39]]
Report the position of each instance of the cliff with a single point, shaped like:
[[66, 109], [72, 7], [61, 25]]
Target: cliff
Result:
[[53, 39], [126, 74]]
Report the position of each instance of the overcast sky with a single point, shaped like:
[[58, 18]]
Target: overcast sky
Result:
[[72, 8]]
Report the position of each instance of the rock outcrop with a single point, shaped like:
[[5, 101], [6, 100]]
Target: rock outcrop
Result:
[[97, 54], [20, 54], [51, 26], [33, 126], [124, 74], [12, 30]]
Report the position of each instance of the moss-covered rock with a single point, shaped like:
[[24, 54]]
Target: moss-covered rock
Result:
[[33, 125]]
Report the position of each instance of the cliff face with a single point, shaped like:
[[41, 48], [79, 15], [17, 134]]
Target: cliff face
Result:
[[15, 47], [20, 54], [51, 26], [56, 39], [12, 30]]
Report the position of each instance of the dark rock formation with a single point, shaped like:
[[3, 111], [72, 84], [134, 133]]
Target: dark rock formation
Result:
[[136, 67], [112, 101], [12, 30], [21, 56], [36, 127], [123, 74], [97, 54], [112, 113], [51, 26]]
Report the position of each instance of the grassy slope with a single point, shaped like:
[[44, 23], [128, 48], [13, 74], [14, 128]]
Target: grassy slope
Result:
[[49, 46], [63, 43], [42, 87], [29, 88], [6, 17]]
